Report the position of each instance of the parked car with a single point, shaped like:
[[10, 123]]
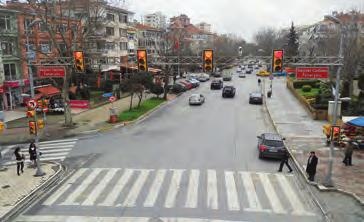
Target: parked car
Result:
[[178, 88], [228, 91], [188, 85], [263, 73], [203, 77], [227, 76], [195, 83], [217, 84], [242, 75], [256, 98], [216, 74], [271, 145], [196, 99], [249, 71]]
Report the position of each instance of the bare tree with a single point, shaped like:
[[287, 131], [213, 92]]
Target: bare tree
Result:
[[266, 39]]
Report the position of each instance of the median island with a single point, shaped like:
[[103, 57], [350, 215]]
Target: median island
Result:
[[144, 108]]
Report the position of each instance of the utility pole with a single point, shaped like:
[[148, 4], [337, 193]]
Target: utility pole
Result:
[[328, 179]]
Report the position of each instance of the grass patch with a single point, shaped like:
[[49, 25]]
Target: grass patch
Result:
[[135, 113], [312, 94]]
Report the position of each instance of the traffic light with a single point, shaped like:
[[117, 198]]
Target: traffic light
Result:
[[32, 127], [79, 61], [208, 60], [335, 133], [277, 60], [45, 103], [2, 127], [142, 60], [40, 123], [30, 113]]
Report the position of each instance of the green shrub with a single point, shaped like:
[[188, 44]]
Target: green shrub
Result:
[[299, 83], [306, 88]]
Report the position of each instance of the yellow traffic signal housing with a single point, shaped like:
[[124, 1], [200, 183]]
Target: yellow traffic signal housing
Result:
[[208, 60], [336, 133], [30, 113], [32, 127], [40, 123], [277, 62], [79, 61], [2, 127], [142, 60]]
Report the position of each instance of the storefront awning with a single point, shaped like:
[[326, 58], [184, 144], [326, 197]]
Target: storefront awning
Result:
[[48, 90]]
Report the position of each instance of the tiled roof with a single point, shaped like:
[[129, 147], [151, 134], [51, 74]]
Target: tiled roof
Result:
[[146, 27]]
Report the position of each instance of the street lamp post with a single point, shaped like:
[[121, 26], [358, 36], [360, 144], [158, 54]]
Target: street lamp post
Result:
[[39, 171], [328, 179]]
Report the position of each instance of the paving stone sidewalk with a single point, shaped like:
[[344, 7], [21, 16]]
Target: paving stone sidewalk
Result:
[[14, 188], [304, 135]]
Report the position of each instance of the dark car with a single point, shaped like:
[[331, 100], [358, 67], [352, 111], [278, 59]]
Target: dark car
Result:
[[256, 98], [216, 74], [271, 145], [217, 84], [228, 91], [178, 88], [248, 71]]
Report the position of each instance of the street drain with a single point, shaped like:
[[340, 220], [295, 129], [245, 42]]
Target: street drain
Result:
[[5, 187]]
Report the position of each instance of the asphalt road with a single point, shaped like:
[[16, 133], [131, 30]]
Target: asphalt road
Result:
[[182, 163]]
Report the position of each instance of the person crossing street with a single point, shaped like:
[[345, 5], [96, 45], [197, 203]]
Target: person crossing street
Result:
[[19, 156], [284, 160], [311, 166]]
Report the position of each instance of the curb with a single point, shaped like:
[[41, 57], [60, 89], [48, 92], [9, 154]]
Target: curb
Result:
[[35, 194], [318, 186]]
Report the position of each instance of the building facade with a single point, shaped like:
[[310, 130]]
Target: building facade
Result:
[[151, 39], [156, 20], [182, 20], [205, 27]]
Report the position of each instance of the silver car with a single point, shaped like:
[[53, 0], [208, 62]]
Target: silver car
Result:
[[196, 99]]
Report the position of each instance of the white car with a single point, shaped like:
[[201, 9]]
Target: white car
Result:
[[203, 77], [196, 99], [241, 75]]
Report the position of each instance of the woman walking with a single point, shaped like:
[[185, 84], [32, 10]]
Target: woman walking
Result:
[[19, 161], [33, 153]]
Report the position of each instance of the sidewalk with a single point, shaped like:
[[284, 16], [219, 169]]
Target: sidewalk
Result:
[[16, 190], [304, 135]]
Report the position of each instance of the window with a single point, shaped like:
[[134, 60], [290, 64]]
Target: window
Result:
[[123, 33], [110, 17], [123, 18], [62, 28], [10, 71], [43, 27], [123, 46], [5, 23], [26, 25], [7, 48], [110, 45], [31, 46], [45, 47], [109, 31]]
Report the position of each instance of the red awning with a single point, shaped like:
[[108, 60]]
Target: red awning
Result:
[[48, 90], [1, 89]]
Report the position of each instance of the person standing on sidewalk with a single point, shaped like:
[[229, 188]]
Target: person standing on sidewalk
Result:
[[348, 154], [311, 166], [33, 153], [19, 156], [284, 160]]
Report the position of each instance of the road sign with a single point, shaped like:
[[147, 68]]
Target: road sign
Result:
[[45, 110], [112, 99], [105, 95], [271, 77], [51, 71], [312, 73], [32, 104]]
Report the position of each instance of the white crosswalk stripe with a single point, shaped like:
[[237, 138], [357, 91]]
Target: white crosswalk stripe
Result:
[[54, 150], [180, 188]]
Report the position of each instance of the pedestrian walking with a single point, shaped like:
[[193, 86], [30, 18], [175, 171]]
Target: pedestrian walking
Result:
[[259, 82], [19, 156], [311, 166], [348, 154], [33, 153], [284, 160]]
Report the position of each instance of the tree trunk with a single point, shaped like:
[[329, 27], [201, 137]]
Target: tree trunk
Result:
[[131, 101], [166, 82], [65, 94], [140, 98]]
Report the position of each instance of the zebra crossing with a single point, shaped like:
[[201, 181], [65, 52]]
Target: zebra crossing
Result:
[[54, 150], [181, 188]]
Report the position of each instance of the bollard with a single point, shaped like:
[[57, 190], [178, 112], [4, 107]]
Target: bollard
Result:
[[113, 116]]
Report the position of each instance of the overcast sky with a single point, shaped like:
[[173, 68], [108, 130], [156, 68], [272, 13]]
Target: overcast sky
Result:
[[245, 17]]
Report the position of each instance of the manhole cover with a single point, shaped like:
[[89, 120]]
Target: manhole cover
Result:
[[5, 187]]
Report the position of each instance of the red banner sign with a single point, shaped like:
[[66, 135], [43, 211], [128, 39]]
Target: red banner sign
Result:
[[312, 73], [290, 70], [80, 104], [1, 89], [51, 71]]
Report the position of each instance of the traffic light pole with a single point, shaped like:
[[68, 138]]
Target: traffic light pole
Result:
[[39, 171]]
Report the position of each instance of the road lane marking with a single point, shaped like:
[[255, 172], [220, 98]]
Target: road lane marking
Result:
[[253, 200], [71, 199], [58, 141], [132, 197], [298, 208], [96, 191], [155, 188], [116, 190], [231, 192], [271, 194], [192, 193], [59, 192], [173, 188], [212, 196]]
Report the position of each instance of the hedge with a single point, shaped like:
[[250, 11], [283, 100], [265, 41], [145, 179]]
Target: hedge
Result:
[[306, 88], [299, 83]]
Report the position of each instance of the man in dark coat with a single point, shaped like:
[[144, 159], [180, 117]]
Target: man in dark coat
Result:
[[284, 160], [311, 166], [348, 154]]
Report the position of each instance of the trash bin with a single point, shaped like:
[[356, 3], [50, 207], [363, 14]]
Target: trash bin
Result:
[[113, 116], [269, 93]]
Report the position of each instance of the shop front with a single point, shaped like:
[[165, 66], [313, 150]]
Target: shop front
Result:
[[12, 93]]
